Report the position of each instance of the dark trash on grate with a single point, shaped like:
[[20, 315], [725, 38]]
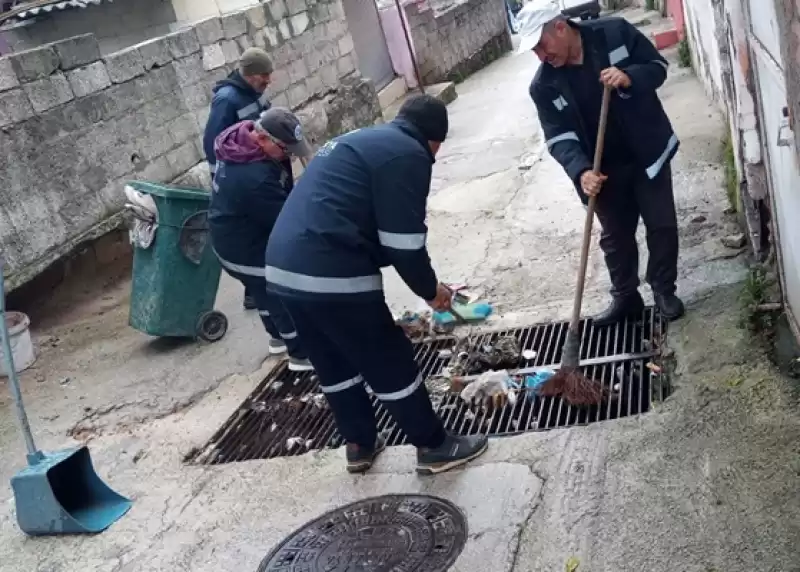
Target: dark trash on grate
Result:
[[288, 415]]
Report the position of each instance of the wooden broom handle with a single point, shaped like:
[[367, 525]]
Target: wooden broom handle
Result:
[[587, 226]]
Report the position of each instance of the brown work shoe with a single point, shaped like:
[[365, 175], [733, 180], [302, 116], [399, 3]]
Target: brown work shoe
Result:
[[360, 459]]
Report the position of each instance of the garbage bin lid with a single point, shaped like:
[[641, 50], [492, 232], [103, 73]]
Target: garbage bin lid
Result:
[[170, 192]]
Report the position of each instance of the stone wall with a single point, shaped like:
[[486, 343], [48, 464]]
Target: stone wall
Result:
[[75, 125], [454, 39]]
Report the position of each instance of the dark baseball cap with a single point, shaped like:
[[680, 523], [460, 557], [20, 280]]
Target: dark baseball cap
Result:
[[284, 126]]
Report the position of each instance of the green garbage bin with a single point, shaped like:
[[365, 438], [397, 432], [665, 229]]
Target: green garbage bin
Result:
[[175, 272]]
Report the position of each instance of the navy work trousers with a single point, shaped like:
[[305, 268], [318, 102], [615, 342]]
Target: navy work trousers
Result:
[[353, 343], [276, 319], [628, 195]]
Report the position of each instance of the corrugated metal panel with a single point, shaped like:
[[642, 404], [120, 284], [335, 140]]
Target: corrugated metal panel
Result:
[[57, 5]]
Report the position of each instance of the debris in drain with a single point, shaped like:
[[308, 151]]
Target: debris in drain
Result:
[[653, 367], [534, 382], [529, 355], [416, 326], [503, 353], [470, 312], [317, 399], [293, 442], [279, 419], [491, 388], [438, 389]]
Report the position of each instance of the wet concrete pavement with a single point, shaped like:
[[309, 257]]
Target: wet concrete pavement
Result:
[[706, 482]]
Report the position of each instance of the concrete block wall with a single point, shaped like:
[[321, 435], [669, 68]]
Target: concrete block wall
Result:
[[75, 125], [455, 39]]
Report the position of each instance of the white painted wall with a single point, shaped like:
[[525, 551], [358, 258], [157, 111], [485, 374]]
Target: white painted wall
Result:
[[701, 28], [745, 104], [194, 10], [764, 24], [784, 176], [754, 47]]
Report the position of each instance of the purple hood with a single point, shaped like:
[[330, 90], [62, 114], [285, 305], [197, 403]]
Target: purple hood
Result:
[[234, 145]]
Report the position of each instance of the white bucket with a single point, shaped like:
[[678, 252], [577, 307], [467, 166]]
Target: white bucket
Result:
[[19, 335]]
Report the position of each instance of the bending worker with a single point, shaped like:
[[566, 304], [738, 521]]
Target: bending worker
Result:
[[360, 206], [636, 180], [240, 96], [252, 181]]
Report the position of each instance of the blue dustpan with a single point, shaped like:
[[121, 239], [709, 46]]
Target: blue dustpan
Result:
[[58, 493]]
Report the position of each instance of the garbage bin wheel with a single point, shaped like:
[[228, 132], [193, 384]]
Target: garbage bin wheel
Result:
[[212, 326]]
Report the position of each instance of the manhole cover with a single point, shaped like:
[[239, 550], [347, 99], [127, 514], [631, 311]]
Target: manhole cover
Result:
[[412, 533]]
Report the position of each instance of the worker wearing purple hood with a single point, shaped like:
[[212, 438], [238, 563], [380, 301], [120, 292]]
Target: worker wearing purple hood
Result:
[[251, 183]]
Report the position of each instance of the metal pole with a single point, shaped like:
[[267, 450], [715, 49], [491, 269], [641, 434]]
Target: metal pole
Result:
[[13, 379], [404, 23]]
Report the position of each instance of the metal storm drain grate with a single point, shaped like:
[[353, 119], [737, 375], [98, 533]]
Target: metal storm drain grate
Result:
[[287, 415], [393, 532]]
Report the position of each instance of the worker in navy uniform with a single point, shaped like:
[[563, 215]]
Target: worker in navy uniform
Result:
[[578, 59], [242, 95], [360, 206], [252, 182]]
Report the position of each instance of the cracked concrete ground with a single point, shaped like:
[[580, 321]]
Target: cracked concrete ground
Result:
[[706, 482]]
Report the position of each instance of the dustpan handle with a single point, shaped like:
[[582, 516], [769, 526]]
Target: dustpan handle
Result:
[[33, 453]]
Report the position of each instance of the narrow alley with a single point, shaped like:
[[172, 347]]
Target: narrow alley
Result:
[[707, 481]]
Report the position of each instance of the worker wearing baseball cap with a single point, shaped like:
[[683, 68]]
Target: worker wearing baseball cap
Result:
[[252, 181], [361, 206], [242, 95], [577, 60]]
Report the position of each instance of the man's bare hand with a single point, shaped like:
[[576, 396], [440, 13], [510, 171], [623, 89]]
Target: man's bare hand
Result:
[[443, 300], [592, 182], [616, 78]]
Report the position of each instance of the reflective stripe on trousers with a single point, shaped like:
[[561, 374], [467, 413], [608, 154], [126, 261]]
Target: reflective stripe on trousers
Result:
[[392, 396]]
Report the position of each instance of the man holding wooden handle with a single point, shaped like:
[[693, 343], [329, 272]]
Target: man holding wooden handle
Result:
[[635, 181]]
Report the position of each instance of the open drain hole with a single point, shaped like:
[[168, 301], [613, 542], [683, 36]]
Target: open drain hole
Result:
[[287, 415]]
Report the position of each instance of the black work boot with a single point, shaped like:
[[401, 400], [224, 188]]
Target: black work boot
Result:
[[670, 306], [249, 303], [360, 459], [454, 452], [620, 308]]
